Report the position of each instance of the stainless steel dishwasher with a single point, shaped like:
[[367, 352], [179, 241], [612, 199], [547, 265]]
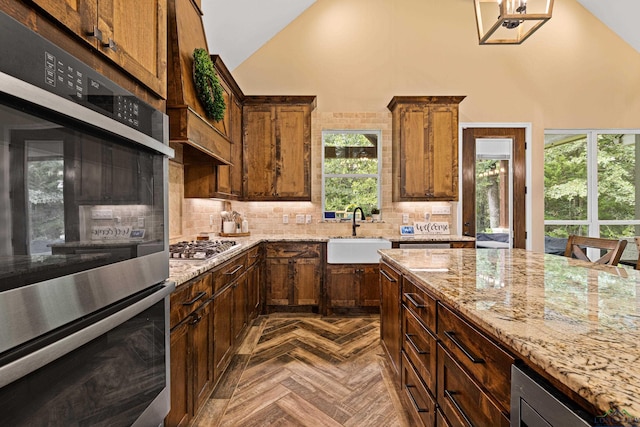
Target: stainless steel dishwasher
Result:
[[536, 403]]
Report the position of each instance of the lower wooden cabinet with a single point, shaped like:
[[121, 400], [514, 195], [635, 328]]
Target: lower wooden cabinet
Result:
[[181, 398], [422, 406], [209, 317], [462, 399], [191, 367], [353, 288], [451, 373], [222, 330], [294, 276], [390, 326]]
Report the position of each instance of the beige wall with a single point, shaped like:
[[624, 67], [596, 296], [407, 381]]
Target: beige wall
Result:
[[356, 54]]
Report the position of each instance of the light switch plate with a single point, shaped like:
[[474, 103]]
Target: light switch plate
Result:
[[405, 218], [441, 210], [299, 219], [308, 219], [285, 219]]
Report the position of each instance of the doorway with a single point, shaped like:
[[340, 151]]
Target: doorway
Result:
[[494, 186]]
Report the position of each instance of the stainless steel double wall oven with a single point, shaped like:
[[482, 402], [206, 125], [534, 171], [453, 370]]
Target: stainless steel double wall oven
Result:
[[84, 255]]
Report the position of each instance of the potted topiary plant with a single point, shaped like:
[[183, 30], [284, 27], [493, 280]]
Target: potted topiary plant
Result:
[[375, 214]]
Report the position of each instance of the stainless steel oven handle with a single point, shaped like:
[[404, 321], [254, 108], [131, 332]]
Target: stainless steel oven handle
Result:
[[33, 361]]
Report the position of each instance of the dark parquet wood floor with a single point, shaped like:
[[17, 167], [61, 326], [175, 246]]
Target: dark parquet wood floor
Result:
[[307, 371]]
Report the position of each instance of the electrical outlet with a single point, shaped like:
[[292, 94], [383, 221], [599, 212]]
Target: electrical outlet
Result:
[[140, 222], [285, 219], [308, 219], [405, 218], [441, 210], [427, 216], [299, 219], [211, 220]]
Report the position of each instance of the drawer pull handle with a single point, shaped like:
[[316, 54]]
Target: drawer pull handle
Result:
[[235, 270], [452, 336], [413, 399], [409, 338], [412, 298], [196, 299], [255, 256], [449, 394], [389, 278]]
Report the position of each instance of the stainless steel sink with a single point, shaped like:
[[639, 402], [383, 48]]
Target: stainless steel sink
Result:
[[355, 251]]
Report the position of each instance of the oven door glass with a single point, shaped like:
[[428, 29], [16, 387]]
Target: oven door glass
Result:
[[72, 198], [109, 381]]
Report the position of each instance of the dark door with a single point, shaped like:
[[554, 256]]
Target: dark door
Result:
[[517, 136]]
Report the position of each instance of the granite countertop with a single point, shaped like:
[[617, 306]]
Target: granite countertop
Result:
[[182, 271], [578, 322]]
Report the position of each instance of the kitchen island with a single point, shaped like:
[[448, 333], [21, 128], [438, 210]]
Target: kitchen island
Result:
[[575, 323]]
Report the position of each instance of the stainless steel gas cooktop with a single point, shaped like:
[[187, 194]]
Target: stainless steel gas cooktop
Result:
[[200, 249]]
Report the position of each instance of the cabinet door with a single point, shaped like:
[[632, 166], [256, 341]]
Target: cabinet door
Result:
[[390, 326], [343, 285], [222, 330], [414, 166], [293, 149], [136, 39], [77, 15], [370, 286], [253, 290], [200, 344], [442, 153], [236, 148], [259, 153], [307, 280], [240, 293], [278, 281], [180, 384]]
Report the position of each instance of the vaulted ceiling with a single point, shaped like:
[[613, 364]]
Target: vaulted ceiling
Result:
[[236, 29]]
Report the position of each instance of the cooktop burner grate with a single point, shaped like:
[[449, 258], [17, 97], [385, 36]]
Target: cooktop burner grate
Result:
[[200, 249]]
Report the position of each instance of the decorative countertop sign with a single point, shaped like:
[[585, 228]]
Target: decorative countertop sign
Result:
[[431, 227]]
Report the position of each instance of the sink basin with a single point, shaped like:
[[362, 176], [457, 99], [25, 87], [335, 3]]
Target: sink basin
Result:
[[355, 251]]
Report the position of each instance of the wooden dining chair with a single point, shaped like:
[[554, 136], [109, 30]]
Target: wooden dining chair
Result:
[[577, 248]]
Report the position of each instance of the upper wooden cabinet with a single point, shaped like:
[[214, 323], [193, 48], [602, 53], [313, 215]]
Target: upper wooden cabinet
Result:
[[134, 37], [277, 147], [425, 147]]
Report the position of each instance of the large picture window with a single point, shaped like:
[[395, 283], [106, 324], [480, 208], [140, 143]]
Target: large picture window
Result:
[[591, 185], [350, 171]]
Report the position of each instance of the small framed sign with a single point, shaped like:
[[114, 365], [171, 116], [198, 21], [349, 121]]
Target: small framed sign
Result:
[[432, 228], [407, 230]]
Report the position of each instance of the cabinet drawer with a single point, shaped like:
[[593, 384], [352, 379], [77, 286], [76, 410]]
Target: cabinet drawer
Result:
[[229, 272], [420, 403], [291, 250], [462, 400], [485, 361], [188, 297], [420, 303], [420, 347], [253, 255]]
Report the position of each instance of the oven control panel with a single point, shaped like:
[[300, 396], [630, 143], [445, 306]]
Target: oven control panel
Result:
[[31, 58]]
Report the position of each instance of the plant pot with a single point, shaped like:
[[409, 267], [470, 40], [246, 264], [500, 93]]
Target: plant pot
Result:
[[375, 217]]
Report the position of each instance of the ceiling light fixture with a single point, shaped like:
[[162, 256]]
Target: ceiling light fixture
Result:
[[510, 21]]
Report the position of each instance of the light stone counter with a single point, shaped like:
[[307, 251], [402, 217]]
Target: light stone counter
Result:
[[577, 321], [182, 271]]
